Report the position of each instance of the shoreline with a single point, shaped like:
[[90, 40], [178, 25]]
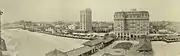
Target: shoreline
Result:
[[50, 41], [63, 35]]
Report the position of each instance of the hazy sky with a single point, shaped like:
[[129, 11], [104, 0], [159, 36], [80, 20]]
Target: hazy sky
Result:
[[69, 10]]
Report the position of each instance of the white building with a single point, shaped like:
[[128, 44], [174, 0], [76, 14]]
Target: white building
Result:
[[50, 29], [86, 20], [72, 27]]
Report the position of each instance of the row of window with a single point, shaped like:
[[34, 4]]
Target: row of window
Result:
[[131, 29], [121, 34], [133, 32], [130, 16], [132, 26], [132, 22]]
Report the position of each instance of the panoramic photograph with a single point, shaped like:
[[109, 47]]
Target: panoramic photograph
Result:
[[89, 28]]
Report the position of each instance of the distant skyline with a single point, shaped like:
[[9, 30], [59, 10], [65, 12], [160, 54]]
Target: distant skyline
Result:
[[69, 10]]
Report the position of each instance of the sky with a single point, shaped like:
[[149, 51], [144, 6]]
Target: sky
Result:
[[69, 10]]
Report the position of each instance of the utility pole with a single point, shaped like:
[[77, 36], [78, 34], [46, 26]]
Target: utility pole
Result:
[[0, 20], [0, 32], [2, 41]]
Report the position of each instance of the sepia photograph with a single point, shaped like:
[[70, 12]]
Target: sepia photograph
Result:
[[89, 28]]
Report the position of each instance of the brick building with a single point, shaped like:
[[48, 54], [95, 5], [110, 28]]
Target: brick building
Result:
[[131, 24]]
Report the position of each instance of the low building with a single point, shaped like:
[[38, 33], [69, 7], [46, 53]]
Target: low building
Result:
[[66, 31], [102, 27], [146, 46], [82, 51], [93, 42], [50, 29], [89, 48], [80, 31], [72, 27], [164, 31], [56, 53]]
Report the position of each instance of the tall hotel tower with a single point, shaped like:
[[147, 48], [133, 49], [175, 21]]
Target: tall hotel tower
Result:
[[131, 24], [86, 20]]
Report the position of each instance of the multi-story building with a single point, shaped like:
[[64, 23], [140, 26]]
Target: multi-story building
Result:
[[102, 27], [86, 20], [128, 24]]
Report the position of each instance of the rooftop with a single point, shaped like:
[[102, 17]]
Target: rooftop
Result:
[[56, 53], [108, 39], [79, 51], [146, 45], [93, 42]]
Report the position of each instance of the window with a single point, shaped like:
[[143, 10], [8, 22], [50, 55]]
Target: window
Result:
[[118, 25], [115, 16]]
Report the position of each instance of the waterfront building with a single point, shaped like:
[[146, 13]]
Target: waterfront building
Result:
[[145, 47], [131, 24], [86, 20], [56, 53], [50, 29], [89, 48]]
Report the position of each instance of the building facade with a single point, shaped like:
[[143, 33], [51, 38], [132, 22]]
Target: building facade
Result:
[[86, 20], [131, 24]]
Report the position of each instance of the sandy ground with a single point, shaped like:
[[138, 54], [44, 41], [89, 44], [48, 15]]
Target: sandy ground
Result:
[[166, 49], [37, 44], [27, 43]]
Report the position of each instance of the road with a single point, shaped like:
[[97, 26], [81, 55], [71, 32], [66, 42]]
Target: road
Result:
[[37, 44]]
